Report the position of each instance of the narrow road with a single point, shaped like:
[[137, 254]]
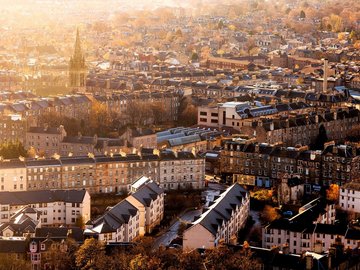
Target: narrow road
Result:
[[172, 232]]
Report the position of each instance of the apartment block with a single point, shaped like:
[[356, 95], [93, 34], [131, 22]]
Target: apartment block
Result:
[[120, 223], [221, 222], [314, 225], [349, 197], [148, 198], [57, 207]]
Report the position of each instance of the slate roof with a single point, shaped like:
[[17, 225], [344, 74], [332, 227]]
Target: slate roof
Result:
[[147, 193], [114, 218], [13, 245], [220, 211], [301, 222], [42, 130], [41, 196], [60, 233]]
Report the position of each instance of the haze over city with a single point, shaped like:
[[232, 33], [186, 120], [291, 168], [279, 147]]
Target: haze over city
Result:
[[200, 134]]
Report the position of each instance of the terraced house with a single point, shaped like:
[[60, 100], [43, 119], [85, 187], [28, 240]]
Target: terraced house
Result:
[[103, 174], [262, 164]]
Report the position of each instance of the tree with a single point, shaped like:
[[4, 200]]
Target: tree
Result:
[[158, 111], [10, 150], [353, 36], [10, 262], [182, 228], [251, 45], [31, 152], [332, 193], [178, 33], [61, 256], [99, 120], [269, 213], [262, 195], [220, 24], [321, 139], [302, 14], [91, 252], [194, 57], [139, 113], [336, 23], [224, 258], [144, 262], [187, 113], [80, 222]]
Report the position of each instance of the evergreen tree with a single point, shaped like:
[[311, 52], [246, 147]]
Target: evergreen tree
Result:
[[302, 14]]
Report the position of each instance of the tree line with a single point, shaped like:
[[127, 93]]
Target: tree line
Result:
[[94, 255]]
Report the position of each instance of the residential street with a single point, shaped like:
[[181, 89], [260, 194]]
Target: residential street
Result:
[[171, 233]]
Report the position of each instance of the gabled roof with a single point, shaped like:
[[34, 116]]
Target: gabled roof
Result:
[[115, 217], [147, 193], [220, 211]]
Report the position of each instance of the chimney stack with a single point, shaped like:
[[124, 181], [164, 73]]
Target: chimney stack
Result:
[[325, 83]]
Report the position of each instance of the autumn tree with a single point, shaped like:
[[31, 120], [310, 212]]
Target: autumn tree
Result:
[[187, 112], [225, 258], [9, 150], [194, 57], [61, 256], [144, 262], [182, 228], [90, 254], [332, 193], [269, 214], [80, 222], [302, 14], [101, 27], [158, 111], [138, 113], [31, 152], [262, 195], [10, 262], [251, 46], [99, 120]]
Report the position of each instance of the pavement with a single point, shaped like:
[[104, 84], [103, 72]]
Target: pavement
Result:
[[171, 233], [166, 238]]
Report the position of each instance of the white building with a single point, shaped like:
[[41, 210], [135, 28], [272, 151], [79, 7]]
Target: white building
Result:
[[221, 222], [149, 200], [25, 220], [223, 114], [312, 225], [12, 175], [138, 214], [349, 199], [120, 223], [57, 207]]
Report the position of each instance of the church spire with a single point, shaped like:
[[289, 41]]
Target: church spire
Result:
[[77, 51], [77, 68]]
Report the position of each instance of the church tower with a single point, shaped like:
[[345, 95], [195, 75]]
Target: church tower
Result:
[[77, 68]]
